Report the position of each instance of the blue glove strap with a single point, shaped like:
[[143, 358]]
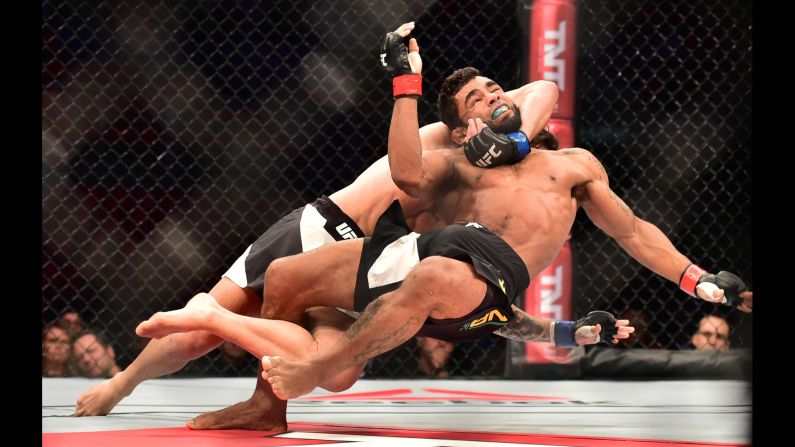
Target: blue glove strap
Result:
[[564, 334], [522, 144]]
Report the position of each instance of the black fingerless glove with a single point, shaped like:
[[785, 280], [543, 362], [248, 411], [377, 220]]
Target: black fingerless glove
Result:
[[488, 149], [564, 331], [731, 284], [395, 59]]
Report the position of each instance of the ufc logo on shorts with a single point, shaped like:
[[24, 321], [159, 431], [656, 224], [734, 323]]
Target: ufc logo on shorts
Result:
[[345, 231], [488, 157]]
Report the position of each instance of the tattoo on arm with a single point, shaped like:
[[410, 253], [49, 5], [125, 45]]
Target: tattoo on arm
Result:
[[525, 328], [620, 203]]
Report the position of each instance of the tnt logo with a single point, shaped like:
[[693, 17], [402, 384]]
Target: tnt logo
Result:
[[488, 158], [491, 318], [551, 292], [345, 231], [552, 51]]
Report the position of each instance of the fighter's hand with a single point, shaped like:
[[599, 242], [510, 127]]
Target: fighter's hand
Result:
[[726, 288], [747, 304], [404, 29], [394, 57], [474, 128], [404, 66], [597, 326], [723, 287], [588, 335], [415, 62], [485, 148], [414, 56]]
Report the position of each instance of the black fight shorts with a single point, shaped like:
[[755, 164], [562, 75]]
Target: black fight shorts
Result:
[[393, 250], [311, 226]]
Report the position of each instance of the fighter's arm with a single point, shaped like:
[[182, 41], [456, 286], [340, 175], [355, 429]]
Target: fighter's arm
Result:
[[639, 238], [436, 136], [525, 327], [535, 101], [416, 172]]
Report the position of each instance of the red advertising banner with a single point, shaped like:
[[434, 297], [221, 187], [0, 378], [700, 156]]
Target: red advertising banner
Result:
[[553, 52], [549, 297], [552, 57], [563, 131]]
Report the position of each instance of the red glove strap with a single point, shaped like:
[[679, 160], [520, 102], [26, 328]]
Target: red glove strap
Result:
[[409, 84], [690, 279]]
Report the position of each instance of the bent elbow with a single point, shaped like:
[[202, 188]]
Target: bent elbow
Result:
[[407, 184], [549, 88]]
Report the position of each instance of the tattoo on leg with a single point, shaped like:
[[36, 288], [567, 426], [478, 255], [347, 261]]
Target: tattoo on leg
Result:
[[385, 342], [364, 320], [382, 343]]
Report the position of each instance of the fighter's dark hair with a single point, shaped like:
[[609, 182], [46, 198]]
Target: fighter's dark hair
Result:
[[445, 104]]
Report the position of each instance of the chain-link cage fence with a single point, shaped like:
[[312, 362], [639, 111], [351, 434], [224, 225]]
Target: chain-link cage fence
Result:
[[175, 133], [664, 101]]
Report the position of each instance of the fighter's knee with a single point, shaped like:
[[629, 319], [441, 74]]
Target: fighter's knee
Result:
[[277, 279], [436, 271], [274, 274], [283, 298]]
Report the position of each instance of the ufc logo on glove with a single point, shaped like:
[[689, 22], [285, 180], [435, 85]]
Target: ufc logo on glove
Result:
[[488, 157]]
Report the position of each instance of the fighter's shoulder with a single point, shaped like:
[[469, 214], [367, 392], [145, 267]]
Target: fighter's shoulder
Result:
[[587, 159], [446, 153], [440, 161], [578, 151]]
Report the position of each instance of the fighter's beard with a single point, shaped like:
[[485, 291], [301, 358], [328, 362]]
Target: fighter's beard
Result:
[[509, 125]]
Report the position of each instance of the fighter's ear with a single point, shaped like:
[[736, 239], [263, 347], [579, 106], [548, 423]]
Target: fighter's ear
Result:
[[458, 135]]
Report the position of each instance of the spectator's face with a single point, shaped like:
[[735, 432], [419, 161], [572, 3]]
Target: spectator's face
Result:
[[712, 335], [94, 359], [73, 320], [56, 345]]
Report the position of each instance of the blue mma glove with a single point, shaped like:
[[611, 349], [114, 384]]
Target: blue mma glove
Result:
[[564, 331], [488, 149]]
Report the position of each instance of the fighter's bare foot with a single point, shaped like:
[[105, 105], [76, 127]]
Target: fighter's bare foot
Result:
[[290, 379], [247, 415], [100, 398], [194, 316]]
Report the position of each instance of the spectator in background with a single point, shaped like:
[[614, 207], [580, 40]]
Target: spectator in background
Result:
[[433, 356], [95, 356], [55, 354], [72, 322], [712, 335], [642, 338]]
